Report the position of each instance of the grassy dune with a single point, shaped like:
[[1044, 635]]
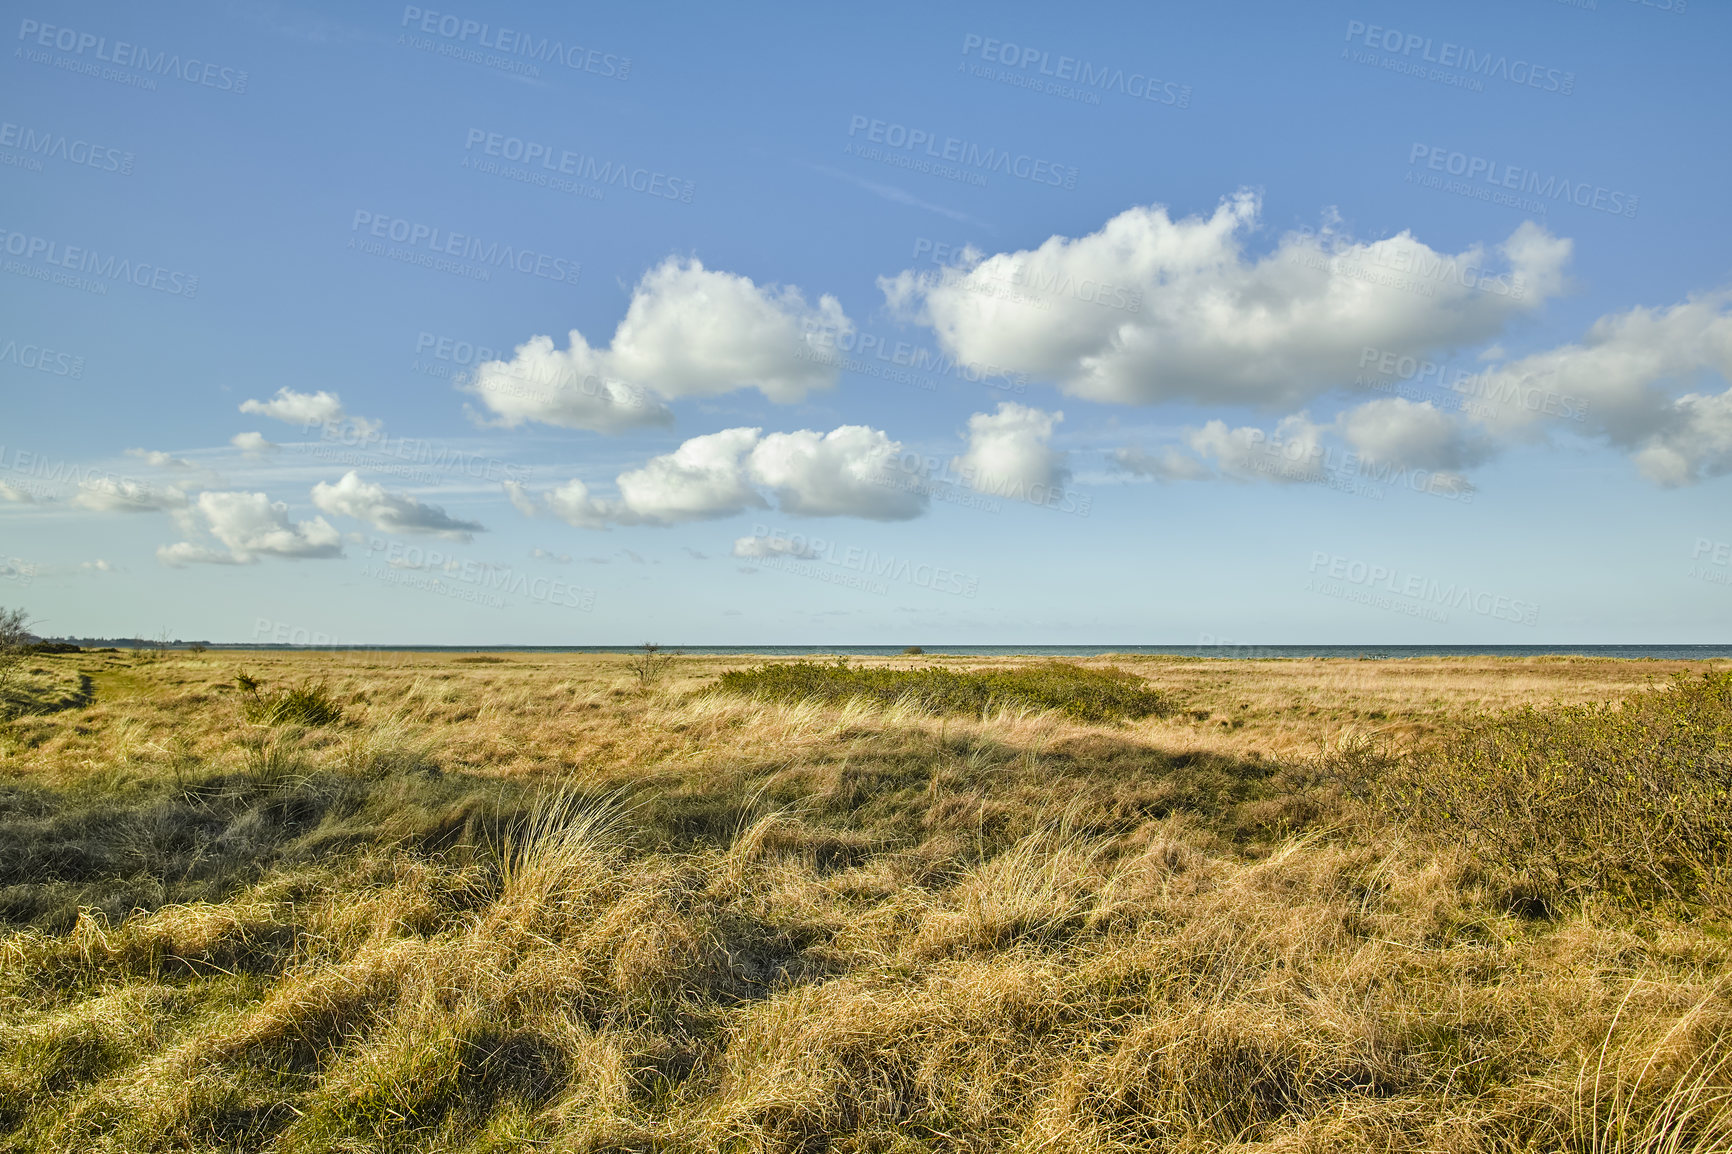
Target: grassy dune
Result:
[[523, 903]]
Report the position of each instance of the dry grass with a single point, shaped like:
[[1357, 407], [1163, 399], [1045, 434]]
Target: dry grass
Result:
[[525, 904]]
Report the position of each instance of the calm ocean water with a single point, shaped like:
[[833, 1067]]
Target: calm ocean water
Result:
[[1264, 652]]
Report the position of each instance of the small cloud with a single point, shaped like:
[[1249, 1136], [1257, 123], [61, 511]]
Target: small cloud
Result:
[[252, 444], [16, 495], [541, 554], [158, 460], [392, 512], [107, 495]]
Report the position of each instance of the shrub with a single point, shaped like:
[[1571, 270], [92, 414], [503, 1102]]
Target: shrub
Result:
[[1634, 801], [1073, 690], [307, 704]]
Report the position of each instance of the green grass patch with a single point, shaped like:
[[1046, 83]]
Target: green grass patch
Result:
[[308, 704], [1086, 694]]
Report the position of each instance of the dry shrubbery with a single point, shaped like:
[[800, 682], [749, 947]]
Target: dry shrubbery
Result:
[[748, 925], [1634, 801]]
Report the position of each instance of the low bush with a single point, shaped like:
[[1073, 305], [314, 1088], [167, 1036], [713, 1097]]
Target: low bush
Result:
[[1076, 691], [1633, 800], [307, 704]]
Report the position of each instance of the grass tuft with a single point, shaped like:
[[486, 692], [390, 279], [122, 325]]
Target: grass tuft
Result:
[[1079, 692]]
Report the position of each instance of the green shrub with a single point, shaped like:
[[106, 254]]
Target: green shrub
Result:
[[1082, 693], [1634, 801], [308, 704]]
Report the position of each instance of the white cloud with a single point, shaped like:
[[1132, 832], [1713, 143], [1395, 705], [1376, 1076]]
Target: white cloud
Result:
[[249, 526], [307, 410], [566, 387], [1150, 309], [109, 495], [688, 332], [773, 546], [1397, 431], [159, 460], [392, 512], [1291, 455], [1614, 383], [252, 444], [572, 503], [15, 494], [519, 497], [1009, 453], [704, 478], [847, 472], [541, 554], [98, 566]]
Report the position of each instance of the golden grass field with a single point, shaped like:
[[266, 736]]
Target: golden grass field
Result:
[[520, 902]]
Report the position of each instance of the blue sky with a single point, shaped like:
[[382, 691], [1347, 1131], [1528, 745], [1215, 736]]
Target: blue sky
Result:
[[1252, 322]]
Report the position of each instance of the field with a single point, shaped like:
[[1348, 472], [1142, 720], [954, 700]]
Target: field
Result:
[[375, 901]]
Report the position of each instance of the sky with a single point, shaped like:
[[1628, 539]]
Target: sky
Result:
[[1239, 323]]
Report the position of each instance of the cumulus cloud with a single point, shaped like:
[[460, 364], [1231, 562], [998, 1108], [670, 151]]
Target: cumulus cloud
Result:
[[1149, 309], [252, 444], [1009, 452], [306, 410], [1384, 438], [1397, 431], [392, 512], [847, 472], [1290, 455], [111, 495], [1618, 382], [688, 332], [248, 526], [704, 478], [565, 387]]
